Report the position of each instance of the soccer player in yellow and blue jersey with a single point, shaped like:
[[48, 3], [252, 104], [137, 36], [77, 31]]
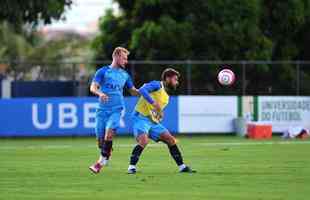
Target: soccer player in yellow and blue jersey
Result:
[[147, 116], [108, 84]]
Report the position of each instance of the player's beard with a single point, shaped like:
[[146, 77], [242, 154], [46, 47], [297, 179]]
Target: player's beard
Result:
[[170, 87], [120, 65]]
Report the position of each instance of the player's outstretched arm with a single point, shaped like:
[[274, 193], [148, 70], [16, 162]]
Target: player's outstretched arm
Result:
[[131, 88], [134, 91]]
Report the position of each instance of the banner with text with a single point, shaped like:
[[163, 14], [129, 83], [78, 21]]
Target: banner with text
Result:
[[284, 111], [64, 116]]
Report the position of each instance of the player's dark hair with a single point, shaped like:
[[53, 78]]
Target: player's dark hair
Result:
[[169, 72]]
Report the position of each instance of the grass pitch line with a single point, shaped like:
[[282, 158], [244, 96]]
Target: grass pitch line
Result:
[[253, 143]]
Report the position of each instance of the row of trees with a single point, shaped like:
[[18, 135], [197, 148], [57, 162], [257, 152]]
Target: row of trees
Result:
[[213, 30], [209, 30], [174, 30]]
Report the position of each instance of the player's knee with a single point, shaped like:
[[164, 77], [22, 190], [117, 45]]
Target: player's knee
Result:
[[143, 140], [171, 141], [168, 139], [143, 143], [109, 138], [109, 135]]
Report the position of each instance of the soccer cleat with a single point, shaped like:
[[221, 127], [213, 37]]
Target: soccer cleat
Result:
[[132, 170], [187, 170], [95, 168]]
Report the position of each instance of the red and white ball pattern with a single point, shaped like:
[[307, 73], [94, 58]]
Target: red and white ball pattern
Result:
[[226, 77]]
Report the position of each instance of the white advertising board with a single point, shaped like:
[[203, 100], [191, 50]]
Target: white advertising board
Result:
[[207, 114]]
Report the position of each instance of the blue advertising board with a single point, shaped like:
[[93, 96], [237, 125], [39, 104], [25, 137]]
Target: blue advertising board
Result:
[[73, 116]]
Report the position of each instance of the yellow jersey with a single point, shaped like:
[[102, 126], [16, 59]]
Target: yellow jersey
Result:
[[158, 94]]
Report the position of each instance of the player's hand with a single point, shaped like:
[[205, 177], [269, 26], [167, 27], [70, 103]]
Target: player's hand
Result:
[[161, 115], [156, 116], [156, 106], [103, 97]]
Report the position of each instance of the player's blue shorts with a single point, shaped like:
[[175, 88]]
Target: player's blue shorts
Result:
[[107, 119], [142, 125]]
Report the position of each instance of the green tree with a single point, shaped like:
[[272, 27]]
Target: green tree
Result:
[[13, 45], [16, 43], [20, 44], [216, 29], [32, 12], [213, 30], [286, 24], [171, 30], [115, 30]]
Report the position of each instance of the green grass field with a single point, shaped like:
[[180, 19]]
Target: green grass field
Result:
[[228, 168]]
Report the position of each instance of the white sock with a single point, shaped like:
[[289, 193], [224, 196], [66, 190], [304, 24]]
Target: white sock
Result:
[[131, 167], [181, 167], [103, 160]]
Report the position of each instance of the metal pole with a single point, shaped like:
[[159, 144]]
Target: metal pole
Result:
[[75, 84], [189, 77], [297, 79], [74, 71], [243, 79]]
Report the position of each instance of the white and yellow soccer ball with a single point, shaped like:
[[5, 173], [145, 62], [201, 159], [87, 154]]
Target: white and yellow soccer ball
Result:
[[226, 77]]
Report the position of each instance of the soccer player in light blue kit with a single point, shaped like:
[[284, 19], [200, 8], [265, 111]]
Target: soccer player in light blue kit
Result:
[[108, 84]]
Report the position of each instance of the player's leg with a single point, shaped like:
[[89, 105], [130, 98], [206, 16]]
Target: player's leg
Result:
[[112, 124], [106, 146], [140, 128], [160, 133], [101, 118], [142, 141]]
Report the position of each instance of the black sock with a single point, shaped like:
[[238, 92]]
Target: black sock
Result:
[[176, 154], [136, 152], [100, 143], [106, 149]]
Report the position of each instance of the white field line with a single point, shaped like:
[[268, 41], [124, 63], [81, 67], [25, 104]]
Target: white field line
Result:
[[210, 144], [253, 143]]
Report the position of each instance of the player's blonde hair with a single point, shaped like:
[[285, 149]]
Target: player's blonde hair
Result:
[[118, 50]]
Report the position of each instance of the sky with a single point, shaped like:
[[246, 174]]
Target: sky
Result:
[[83, 16]]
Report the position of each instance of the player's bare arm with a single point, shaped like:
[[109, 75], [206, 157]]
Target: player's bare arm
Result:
[[156, 106], [146, 95], [95, 89], [134, 91]]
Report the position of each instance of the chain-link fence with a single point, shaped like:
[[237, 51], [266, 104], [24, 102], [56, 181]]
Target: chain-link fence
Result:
[[198, 77]]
